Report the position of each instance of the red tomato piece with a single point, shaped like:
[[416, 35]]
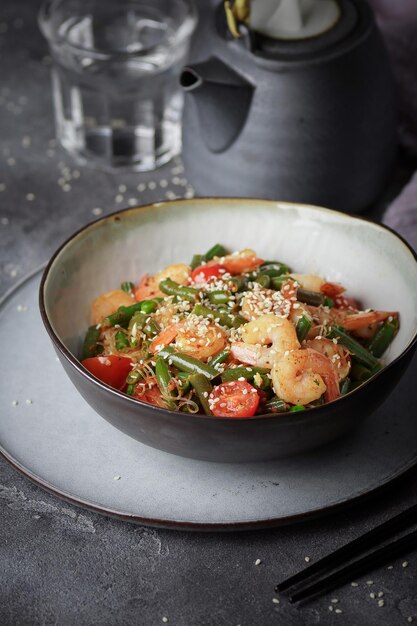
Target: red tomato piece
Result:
[[111, 369], [152, 396], [205, 273], [236, 398]]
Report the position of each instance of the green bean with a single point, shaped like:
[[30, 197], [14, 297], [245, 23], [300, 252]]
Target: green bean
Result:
[[310, 297], [91, 347], [163, 376], [234, 373], [302, 328], [122, 341], [240, 282], [328, 301], [276, 405], [345, 386], [148, 306], [296, 408], [172, 288], [151, 328], [219, 358], [217, 250], [196, 261], [274, 268], [130, 389], [218, 297], [225, 319], [185, 386], [203, 389], [127, 286], [187, 363], [361, 354], [360, 373], [278, 281], [133, 377], [264, 280], [383, 337]]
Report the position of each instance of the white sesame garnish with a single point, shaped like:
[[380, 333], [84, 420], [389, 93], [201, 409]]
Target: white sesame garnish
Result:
[[381, 603], [390, 567], [97, 211], [122, 188], [4, 221], [119, 198], [29, 401], [354, 584], [275, 600], [21, 307], [307, 559], [334, 600], [404, 564], [165, 619], [338, 611], [331, 607], [372, 595], [258, 561], [15, 402], [116, 477]]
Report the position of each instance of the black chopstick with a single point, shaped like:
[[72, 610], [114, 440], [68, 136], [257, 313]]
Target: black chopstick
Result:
[[360, 566], [371, 538]]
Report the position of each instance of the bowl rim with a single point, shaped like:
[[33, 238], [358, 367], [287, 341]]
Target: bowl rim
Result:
[[285, 417]]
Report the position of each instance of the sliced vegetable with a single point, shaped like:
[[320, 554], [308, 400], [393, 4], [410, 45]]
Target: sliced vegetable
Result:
[[345, 386], [187, 363], [303, 326], [111, 369], [205, 273], [248, 373], [219, 297], [276, 405], [361, 354], [196, 261], [203, 389], [91, 346], [296, 408], [383, 337], [225, 319], [219, 358], [122, 341], [216, 251], [310, 297], [128, 287], [235, 399], [171, 288]]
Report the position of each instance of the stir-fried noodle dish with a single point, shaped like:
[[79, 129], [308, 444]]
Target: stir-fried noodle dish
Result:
[[233, 336]]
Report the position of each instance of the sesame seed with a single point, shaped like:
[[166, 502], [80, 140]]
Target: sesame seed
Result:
[[354, 584], [119, 198], [97, 211], [338, 611], [165, 619], [405, 564], [307, 559], [258, 561], [330, 607], [409, 619], [380, 594], [11, 161], [152, 184], [372, 595], [15, 402], [4, 221], [116, 477], [132, 201], [2, 187], [275, 600], [29, 401], [30, 197], [334, 600], [66, 187], [381, 603], [122, 188], [369, 582]]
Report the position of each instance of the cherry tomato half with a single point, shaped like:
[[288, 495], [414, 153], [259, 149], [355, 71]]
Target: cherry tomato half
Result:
[[204, 273], [236, 398], [111, 369]]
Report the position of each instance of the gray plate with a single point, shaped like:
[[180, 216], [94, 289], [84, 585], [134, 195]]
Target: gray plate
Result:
[[58, 441]]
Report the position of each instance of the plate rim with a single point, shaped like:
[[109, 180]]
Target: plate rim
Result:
[[175, 524]]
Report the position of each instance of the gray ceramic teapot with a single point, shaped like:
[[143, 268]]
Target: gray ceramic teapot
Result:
[[309, 120]]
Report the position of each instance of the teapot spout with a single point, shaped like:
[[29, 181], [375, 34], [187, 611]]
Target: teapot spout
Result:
[[223, 100]]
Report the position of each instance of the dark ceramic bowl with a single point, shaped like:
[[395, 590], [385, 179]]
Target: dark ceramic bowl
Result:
[[371, 261]]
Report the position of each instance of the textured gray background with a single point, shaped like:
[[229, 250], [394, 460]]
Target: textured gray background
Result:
[[62, 565]]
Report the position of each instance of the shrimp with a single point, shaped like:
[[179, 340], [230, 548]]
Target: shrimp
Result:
[[338, 354], [302, 376], [193, 337], [148, 287], [267, 329], [347, 319], [240, 262], [107, 303]]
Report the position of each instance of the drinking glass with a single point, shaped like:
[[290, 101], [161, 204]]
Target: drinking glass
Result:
[[115, 78]]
